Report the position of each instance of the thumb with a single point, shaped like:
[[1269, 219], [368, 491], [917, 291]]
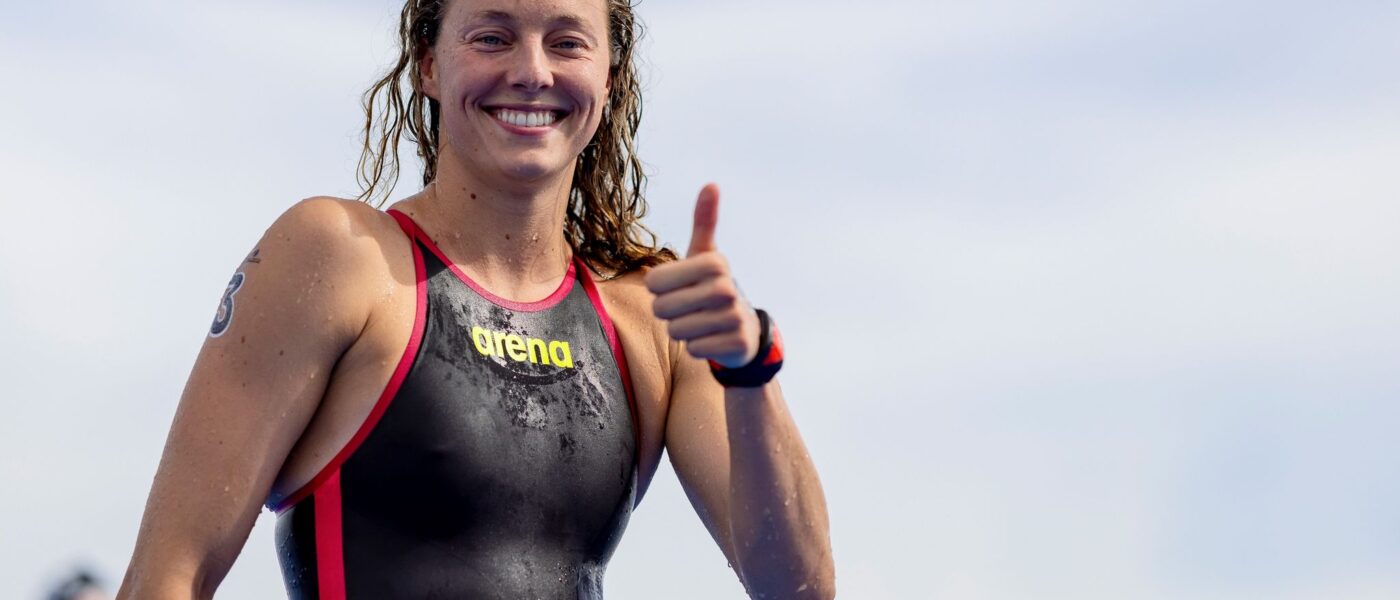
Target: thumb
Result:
[[702, 238]]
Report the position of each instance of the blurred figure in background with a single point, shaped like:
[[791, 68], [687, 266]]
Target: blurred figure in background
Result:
[[80, 585]]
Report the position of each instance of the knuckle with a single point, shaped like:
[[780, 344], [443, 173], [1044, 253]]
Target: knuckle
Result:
[[660, 305], [732, 321], [740, 343], [724, 291], [714, 263], [697, 352], [655, 279], [731, 355]]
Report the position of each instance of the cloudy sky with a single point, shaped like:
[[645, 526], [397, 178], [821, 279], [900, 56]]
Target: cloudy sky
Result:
[[1084, 299]]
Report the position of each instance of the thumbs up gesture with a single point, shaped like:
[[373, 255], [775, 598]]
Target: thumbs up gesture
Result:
[[698, 299]]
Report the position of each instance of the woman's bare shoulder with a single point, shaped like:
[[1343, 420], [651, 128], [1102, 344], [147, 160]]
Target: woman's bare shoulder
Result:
[[628, 302], [339, 221], [627, 295], [348, 250], [345, 235]]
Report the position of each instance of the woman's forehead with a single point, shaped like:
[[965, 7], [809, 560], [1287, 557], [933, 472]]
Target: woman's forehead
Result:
[[580, 12]]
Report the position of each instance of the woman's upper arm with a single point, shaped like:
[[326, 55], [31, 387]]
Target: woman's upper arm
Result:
[[290, 311]]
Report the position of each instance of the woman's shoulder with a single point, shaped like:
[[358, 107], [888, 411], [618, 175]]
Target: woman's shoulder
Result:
[[336, 228], [338, 240], [629, 304], [627, 291], [336, 220]]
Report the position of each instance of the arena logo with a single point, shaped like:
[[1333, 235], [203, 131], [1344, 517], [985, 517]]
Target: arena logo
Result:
[[521, 349]]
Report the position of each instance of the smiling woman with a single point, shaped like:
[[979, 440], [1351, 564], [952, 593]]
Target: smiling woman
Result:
[[465, 396], [606, 203]]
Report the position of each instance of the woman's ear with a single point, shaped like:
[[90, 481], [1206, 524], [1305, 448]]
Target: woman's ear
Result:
[[427, 70]]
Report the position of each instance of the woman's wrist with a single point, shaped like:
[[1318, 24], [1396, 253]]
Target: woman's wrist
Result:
[[765, 364]]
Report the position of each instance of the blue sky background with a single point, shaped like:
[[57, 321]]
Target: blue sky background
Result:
[[1084, 299]]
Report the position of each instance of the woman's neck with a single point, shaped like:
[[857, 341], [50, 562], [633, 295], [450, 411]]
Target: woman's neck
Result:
[[509, 239]]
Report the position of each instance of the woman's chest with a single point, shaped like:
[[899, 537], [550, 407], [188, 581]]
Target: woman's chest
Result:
[[591, 371]]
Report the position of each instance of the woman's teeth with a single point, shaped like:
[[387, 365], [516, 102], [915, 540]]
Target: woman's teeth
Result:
[[525, 119]]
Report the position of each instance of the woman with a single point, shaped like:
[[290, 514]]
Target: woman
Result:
[[464, 397]]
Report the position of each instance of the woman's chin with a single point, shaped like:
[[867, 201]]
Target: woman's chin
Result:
[[526, 170]]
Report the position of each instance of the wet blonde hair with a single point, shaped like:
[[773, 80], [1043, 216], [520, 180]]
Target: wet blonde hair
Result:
[[606, 204]]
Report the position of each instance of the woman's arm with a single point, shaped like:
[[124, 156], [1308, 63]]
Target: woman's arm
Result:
[[291, 310], [737, 451], [742, 463]]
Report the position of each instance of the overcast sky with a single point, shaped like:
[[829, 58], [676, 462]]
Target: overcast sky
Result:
[[1084, 299]]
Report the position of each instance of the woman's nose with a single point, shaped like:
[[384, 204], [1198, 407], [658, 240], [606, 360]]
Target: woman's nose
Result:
[[531, 70]]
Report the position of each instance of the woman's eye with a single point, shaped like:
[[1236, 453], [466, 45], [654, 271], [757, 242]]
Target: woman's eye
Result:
[[570, 45]]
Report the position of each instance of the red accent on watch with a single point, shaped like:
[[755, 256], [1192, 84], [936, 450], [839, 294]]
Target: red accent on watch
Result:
[[764, 365]]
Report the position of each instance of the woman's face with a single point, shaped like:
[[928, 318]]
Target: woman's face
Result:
[[521, 83]]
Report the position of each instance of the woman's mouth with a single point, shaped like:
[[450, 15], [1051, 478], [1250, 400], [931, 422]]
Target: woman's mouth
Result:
[[527, 118]]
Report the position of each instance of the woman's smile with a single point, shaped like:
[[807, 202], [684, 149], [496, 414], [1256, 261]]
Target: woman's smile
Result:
[[527, 120]]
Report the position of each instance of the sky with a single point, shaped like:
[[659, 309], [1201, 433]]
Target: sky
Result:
[[1082, 299]]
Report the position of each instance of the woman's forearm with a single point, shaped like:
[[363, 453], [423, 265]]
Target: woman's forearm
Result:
[[778, 513]]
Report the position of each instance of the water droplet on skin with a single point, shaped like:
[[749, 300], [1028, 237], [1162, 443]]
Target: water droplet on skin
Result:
[[801, 587], [225, 489]]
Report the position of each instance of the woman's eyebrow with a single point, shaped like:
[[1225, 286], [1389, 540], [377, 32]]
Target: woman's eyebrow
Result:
[[564, 20], [491, 15], [570, 20]]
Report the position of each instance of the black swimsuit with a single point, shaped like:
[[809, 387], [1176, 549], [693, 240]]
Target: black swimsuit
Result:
[[499, 462]]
